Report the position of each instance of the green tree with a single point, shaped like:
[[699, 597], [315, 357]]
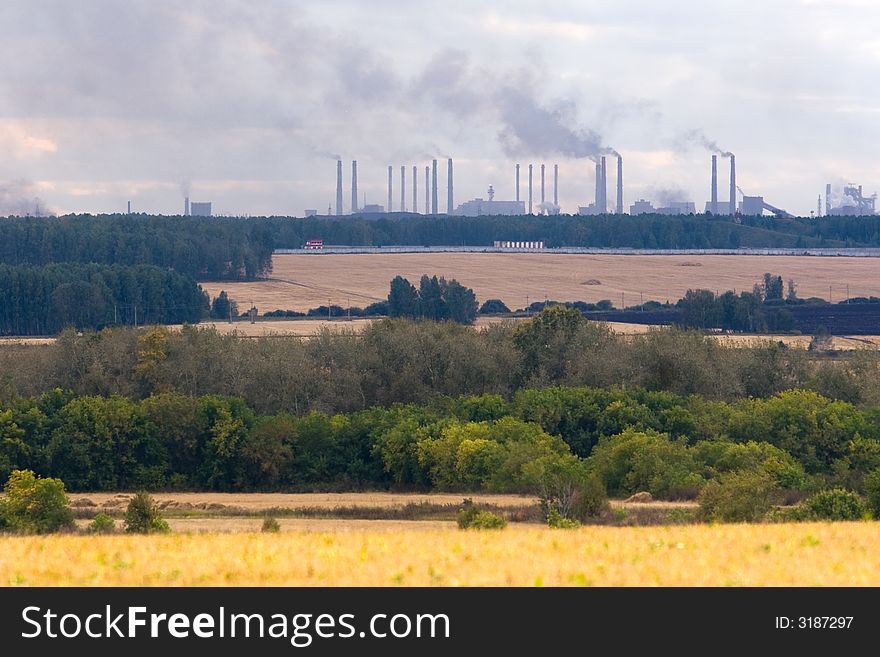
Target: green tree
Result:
[[223, 307], [460, 301], [35, 504], [142, 516], [403, 298]]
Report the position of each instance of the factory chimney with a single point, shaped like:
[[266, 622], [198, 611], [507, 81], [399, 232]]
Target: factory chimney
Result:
[[433, 186], [604, 187], [598, 186], [542, 188], [450, 208], [819, 206], [129, 207], [556, 185], [403, 189], [517, 182], [186, 206], [732, 185], [390, 173], [713, 204], [827, 199], [427, 187], [619, 184], [415, 189], [530, 189], [354, 186], [338, 187]]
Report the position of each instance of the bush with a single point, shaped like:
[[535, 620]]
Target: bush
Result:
[[102, 524], [270, 525], [35, 505], [835, 504], [470, 517], [142, 516], [571, 490], [738, 496], [872, 491], [556, 520]]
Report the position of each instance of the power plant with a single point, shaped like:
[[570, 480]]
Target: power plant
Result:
[[846, 200]]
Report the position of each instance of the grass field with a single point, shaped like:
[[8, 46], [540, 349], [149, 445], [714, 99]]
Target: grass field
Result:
[[300, 282], [813, 554]]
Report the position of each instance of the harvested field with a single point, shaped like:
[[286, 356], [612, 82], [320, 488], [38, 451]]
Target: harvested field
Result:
[[809, 554], [300, 282]]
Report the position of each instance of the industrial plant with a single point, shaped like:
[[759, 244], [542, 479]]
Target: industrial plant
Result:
[[851, 200]]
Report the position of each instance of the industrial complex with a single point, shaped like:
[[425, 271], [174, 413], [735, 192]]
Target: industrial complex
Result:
[[851, 200]]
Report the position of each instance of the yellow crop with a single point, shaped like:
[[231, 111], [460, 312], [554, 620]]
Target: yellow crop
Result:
[[797, 554]]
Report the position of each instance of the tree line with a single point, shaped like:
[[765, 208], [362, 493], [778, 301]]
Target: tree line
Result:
[[633, 440], [45, 300], [216, 248], [402, 361]]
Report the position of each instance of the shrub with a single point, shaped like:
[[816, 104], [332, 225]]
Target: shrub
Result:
[[558, 521], [471, 517], [738, 496], [102, 524], [270, 525], [835, 504], [568, 487], [35, 504], [872, 491], [142, 516]]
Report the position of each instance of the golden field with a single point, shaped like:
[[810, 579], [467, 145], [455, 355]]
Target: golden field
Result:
[[810, 554], [300, 282]]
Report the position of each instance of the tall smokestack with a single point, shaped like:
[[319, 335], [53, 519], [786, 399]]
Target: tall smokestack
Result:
[[732, 185], [354, 186], [338, 187], [713, 204], [433, 186], [827, 199], [619, 184], [415, 189], [517, 182], [186, 206], [530, 189], [403, 189], [542, 187], [604, 187], [556, 185], [129, 207], [598, 186], [450, 208], [427, 187], [390, 173]]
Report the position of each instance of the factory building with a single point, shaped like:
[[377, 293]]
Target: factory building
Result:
[[370, 208], [479, 207], [674, 208], [852, 203], [200, 209]]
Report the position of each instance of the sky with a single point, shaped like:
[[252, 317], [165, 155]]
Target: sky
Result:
[[248, 104]]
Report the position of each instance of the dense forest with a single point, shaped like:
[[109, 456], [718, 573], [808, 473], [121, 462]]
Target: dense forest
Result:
[[203, 248], [401, 361], [45, 300], [633, 440]]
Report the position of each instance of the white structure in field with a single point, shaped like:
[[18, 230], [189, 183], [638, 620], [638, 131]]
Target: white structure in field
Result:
[[503, 244]]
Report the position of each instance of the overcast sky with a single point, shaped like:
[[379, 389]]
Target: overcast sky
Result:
[[246, 104]]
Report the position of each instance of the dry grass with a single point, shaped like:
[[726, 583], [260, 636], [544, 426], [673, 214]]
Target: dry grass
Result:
[[300, 282], [815, 554]]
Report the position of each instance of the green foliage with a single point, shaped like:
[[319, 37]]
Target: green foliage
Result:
[[102, 524], [436, 299], [835, 504], [872, 492], [556, 520], [567, 487], [270, 525], [471, 517], [738, 496], [142, 516], [493, 306], [35, 505], [222, 307]]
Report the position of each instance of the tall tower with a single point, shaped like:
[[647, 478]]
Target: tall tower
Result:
[[542, 188], [354, 186], [450, 208], [338, 187], [433, 186], [732, 185], [517, 182], [713, 204], [604, 187], [530, 189], [415, 189], [390, 173], [556, 185], [427, 187], [598, 186], [827, 199], [619, 184], [403, 189]]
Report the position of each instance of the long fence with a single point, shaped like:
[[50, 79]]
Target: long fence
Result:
[[587, 250]]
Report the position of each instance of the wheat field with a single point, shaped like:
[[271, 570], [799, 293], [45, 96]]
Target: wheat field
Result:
[[300, 282], [810, 554]]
